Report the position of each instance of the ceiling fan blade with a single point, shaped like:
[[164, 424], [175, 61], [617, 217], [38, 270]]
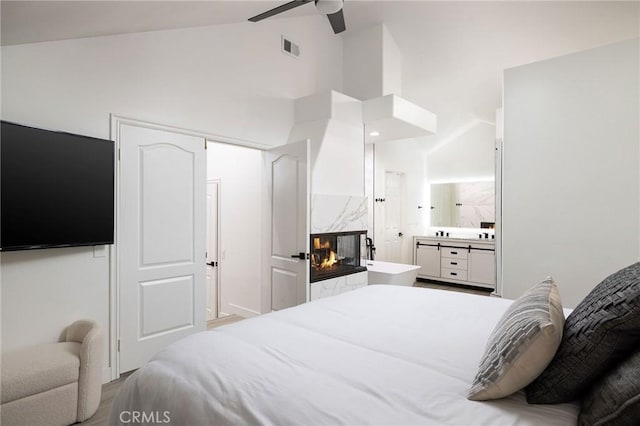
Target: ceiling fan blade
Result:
[[279, 9], [337, 21]]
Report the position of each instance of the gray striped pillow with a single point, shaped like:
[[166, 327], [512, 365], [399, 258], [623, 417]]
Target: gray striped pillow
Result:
[[522, 344]]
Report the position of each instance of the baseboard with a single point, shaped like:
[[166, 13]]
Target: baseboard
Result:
[[106, 375], [242, 312]]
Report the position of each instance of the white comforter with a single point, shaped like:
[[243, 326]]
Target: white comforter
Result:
[[386, 355]]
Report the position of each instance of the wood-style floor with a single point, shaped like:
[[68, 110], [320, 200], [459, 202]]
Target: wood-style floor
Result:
[[110, 390]]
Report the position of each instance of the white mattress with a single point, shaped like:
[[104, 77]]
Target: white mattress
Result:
[[382, 354]]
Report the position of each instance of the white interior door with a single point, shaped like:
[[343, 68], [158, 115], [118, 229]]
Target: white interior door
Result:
[[287, 178], [393, 220], [161, 240], [213, 226]]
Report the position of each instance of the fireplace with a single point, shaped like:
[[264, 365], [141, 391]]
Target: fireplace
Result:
[[335, 254]]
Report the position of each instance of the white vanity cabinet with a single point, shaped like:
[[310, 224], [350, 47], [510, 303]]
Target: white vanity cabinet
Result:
[[461, 261], [482, 266], [428, 257]]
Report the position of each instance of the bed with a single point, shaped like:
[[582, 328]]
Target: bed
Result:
[[381, 354]]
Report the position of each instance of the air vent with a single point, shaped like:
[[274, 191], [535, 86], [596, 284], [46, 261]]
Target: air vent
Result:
[[290, 47]]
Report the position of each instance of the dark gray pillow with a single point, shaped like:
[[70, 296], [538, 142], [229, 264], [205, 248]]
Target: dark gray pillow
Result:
[[615, 398], [602, 330]]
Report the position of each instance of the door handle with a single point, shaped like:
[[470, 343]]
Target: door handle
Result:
[[301, 256], [400, 234], [212, 264]]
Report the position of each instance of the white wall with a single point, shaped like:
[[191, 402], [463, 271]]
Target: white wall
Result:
[[239, 170], [468, 157], [333, 124], [44, 291], [391, 64], [571, 177], [230, 80], [362, 61], [338, 166]]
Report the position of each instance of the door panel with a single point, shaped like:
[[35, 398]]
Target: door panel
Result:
[[156, 295], [285, 288], [285, 201], [162, 244], [161, 240], [287, 178]]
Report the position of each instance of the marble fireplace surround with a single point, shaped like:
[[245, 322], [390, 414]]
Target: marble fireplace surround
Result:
[[338, 213]]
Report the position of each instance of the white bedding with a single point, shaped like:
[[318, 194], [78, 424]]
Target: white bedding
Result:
[[383, 354]]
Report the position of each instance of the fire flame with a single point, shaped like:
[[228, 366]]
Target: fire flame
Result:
[[317, 245], [328, 263]]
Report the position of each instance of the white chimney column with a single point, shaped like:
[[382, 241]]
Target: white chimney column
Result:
[[372, 64]]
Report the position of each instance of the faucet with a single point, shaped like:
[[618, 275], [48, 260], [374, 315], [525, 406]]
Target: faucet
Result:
[[371, 249]]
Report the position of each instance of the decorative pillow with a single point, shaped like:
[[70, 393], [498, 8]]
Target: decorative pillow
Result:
[[615, 398], [602, 330], [522, 343]]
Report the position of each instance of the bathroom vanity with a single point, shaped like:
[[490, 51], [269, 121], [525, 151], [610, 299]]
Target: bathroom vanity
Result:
[[456, 260]]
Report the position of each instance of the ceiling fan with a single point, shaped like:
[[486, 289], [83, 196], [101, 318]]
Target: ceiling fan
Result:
[[331, 8]]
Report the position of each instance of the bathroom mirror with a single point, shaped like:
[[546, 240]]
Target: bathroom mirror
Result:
[[463, 204]]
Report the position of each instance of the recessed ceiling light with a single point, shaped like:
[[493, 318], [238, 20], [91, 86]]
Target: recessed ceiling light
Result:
[[374, 133]]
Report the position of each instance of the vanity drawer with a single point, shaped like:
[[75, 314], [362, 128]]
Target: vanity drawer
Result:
[[447, 262], [456, 274], [455, 253]]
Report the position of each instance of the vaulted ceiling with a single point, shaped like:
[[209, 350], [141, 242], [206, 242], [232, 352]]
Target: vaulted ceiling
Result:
[[453, 52]]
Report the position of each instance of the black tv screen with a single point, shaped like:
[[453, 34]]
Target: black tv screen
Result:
[[56, 189]]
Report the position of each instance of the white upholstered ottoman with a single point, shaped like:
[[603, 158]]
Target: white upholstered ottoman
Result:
[[54, 384]]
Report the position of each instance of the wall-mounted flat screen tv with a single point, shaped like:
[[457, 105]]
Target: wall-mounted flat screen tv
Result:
[[56, 189]]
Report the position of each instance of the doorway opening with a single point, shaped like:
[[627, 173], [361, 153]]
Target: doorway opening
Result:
[[235, 284], [394, 226], [213, 244]]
